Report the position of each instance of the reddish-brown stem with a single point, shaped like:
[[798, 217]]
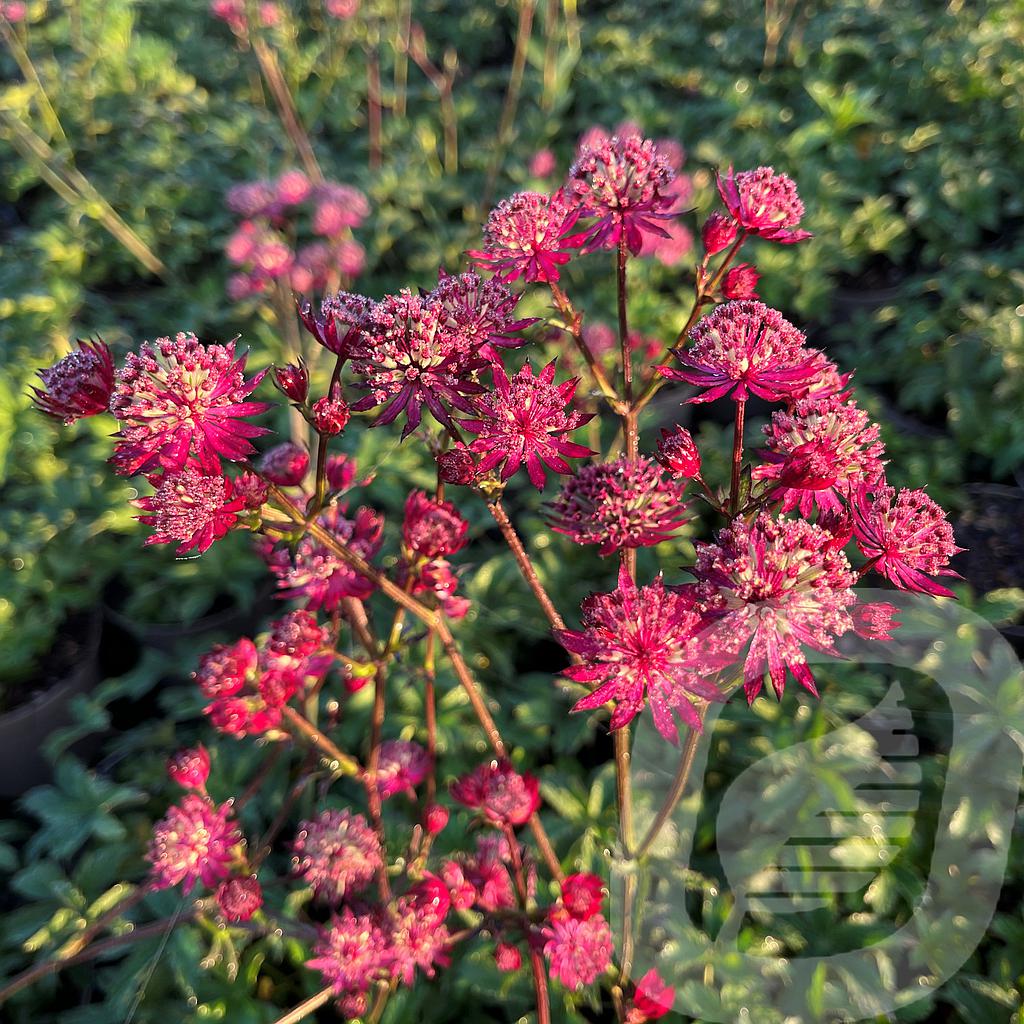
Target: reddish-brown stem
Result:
[[519, 553], [574, 325], [627, 359], [372, 789], [440, 626], [540, 982], [737, 457], [430, 715], [346, 763], [307, 1007], [269, 763], [264, 846]]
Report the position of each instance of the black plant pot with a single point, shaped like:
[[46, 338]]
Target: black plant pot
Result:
[[25, 728]]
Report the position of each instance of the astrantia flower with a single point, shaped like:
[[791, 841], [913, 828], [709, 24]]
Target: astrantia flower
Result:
[[224, 671], [191, 508], [78, 385], [353, 951], [194, 842], [178, 399], [653, 999], [239, 898], [507, 957], [294, 638], [772, 588], [408, 358], [522, 420], [639, 643], [624, 183], [741, 282], [621, 504], [582, 895], [480, 314], [825, 380], [190, 768], [432, 528], [482, 879], [764, 203], [745, 348], [418, 935], [401, 767], [525, 236], [285, 464], [819, 452], [330, 415], [577, 951], [457, 465], [337, 853], [907, 537], [342, 318], [718, 233], [499, 792], [315, 573]]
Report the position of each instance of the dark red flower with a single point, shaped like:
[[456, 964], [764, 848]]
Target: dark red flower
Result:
[[78, 385], [764, 203], [497, 790]]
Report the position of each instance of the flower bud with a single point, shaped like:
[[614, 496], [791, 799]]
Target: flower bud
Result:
[[190, 768], [718, 233], [293, 381], [678, 453], [239, 898], [331, 413], [435, 819], [741, 282], [507, 957], [456, 466]]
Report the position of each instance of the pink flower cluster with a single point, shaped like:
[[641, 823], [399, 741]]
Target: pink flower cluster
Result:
[[294, 231]]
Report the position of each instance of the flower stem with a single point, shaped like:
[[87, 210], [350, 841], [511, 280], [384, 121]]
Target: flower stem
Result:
[[574, 325], [307, 1007], [519, 552], [540, 982], [372, 789], [430, 715], [737, 457], [627, 358], [347, 764]]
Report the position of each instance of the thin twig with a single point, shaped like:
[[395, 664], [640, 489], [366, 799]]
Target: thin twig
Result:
[[308, 1006]]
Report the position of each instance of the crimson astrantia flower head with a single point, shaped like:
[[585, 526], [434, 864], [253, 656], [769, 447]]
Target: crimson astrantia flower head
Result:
[[190, 768], [194, 842], [763, 203], [507, 957], [330, 414], [78, 385], [409, 358], [772, 588], [293, 187], [342, 317], [639, 642], [718, 233], [294, 638], [401, 767], [582, 895], [522, 420], [741, 282], [419, 937], [577, 950], [285, 464], [821, 452], [432, 528], [624, 183], [191, 508], [906, 536], [481, 314], [482, 878], [179, 399], [497, 790], [652, 1000], [457, 465], [240, 898], [525, 236], [678, 453], [315, 573], [435, 819], [625, 503], [341, 472], [745, 348], [226, 669], [337, 853], [353, 951]]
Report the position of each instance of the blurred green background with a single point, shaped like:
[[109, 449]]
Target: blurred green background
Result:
[[902, 124]]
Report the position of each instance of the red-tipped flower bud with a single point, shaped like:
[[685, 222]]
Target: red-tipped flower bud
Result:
[[190, 768], [718, 233], [239, 898], [331, 413], [678, 453], [292, 380], [456, 466], [507, 957], [741, 282], [435, 819]]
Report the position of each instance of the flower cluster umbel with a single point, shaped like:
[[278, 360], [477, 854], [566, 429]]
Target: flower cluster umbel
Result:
[[799, 519]]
